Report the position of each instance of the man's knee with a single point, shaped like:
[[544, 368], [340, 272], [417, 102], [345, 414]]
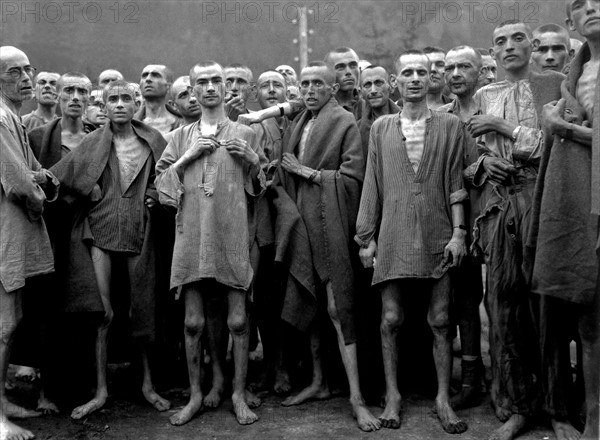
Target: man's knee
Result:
[[439, 321], [8, 328], [194, 324], [391, 320], [237, 323]]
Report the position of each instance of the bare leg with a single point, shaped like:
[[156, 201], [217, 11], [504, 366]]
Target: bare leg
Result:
[[194, 326], [237, 321], [439, 321], [318, 389], [102, 270], [148, 391], [282, 383], [10, 315], [159, 403], [366, 421], [589, 329], [216, 313], [392, 316]]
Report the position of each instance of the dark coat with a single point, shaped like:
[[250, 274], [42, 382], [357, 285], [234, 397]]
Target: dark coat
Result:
[[564, 233], [79, 172], [315, 222]]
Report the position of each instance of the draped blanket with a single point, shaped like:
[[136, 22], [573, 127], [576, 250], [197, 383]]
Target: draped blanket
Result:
[[315, 221], [564, 232]]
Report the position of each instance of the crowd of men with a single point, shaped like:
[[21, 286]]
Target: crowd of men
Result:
[[350, 182]]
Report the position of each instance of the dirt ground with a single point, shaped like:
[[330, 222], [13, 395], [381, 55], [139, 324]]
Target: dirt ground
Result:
[[127, 417], [131, 419]]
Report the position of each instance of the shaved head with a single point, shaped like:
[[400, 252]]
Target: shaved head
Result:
[[340, 50], [328, 73]]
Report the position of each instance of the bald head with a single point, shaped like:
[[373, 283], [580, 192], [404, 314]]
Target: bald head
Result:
[[108, 76], [288, 72], [16, 75]]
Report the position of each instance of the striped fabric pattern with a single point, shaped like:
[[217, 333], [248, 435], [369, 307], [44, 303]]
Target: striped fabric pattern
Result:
[[411, 210]]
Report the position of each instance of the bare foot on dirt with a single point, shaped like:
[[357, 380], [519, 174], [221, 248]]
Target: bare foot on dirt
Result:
[[252, 399], [564, 430], [214, 397], [93, 405], [282, 384], [243, 414], [390, 417], [155, 400], [46, 406], [312, 392], [13, 411], [451, 423], [186, 413], [510, 429], [503, 414], [10, 431], [366, 421]]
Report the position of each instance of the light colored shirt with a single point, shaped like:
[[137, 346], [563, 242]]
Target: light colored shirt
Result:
[[24, 244], [212, 238]]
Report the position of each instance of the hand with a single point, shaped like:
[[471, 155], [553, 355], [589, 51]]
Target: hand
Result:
[[367, 255], [235, 107], [96, 193], [553, 116], [290, 163], [482, 124], [150, 202], [498, 169], [249, 118], [40, 177], [204, 144], [454, 252], [241, 149]]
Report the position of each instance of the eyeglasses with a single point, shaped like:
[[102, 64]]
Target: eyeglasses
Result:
[[15, 72]]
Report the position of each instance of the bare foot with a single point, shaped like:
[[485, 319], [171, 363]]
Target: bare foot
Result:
[[390, 417], [510, 429], [564, 430], [243, 413], [366, 421], [185, 414], [503, 414], [93, 405], [26, 374], [13, 411], [451, 423], [215, 396], [260, 384], [257, 355], [312, 392], [252, 399], [10, 431], [468, 397], [155, 400], [46, 406], [282, 384]]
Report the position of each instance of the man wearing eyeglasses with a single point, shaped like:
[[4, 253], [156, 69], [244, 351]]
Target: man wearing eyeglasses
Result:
[[25, 247], [47, 100]]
